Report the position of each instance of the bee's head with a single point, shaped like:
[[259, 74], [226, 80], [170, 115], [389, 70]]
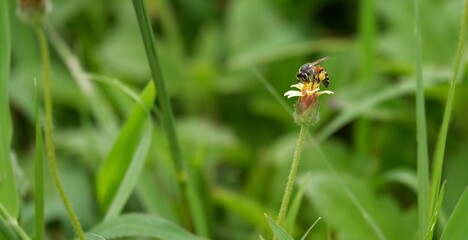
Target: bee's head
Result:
[[302, 77]]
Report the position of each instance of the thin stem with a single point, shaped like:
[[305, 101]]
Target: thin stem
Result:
[[38, 172], [292, 174], [48, 131]]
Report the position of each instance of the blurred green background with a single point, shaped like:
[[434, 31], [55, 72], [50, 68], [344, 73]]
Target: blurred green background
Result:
[[225, 63]]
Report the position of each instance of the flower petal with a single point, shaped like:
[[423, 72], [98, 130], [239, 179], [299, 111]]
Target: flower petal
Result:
[[310, 92], [325, 92], [293, 93], [298, 86]]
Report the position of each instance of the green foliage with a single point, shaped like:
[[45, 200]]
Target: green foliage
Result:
[[139, 225], [456, 226], [209, 155], [119, 172], [8, 192]]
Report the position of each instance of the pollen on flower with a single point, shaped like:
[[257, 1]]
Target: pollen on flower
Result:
[[307, 104]]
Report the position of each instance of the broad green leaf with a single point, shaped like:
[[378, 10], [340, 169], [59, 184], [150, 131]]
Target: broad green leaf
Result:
[[8, 194], [119, 172], [280, 233], [140, 225], [456, 227]]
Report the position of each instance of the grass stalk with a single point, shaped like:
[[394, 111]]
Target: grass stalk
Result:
[[38, 173], [48, 131], [421, 134], [190, 197], [292, 175], [367, 49], [440, 147]]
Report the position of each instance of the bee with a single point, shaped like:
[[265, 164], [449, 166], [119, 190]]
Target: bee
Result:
[[313, 72]]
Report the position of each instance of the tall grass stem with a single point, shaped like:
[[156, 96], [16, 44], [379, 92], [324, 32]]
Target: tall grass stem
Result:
[[421, 134]]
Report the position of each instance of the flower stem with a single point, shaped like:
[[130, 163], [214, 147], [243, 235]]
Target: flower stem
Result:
[[48, 131], [292, 174]]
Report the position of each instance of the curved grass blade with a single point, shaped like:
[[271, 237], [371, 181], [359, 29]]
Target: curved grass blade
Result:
[[139, 226], [133, 172], [440, 147], [127, 153], [8, 194], [456, 226], [308, 230], [5, 231]]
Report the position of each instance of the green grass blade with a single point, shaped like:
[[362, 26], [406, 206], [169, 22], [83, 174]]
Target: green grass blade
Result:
[[163, 97], [8, 195], [190, 194], [38, 173], [435, 213], [280, 233], [310, 228], [5, 231], [367, 59], [129, 146], [421, 134], [139, 226], [11, 223], [456, 226], [133, 172], [440, 147], [270, 89]]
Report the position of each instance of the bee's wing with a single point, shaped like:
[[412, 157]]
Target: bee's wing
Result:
[[319, 61]]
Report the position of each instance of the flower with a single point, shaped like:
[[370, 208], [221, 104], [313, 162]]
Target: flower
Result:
[[307, 104], [33, 11]]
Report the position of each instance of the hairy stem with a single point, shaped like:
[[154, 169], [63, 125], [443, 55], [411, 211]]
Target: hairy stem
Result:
[[292, 175], [48, 131]]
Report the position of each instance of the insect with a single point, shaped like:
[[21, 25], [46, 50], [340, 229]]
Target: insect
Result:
[[313, 72]]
